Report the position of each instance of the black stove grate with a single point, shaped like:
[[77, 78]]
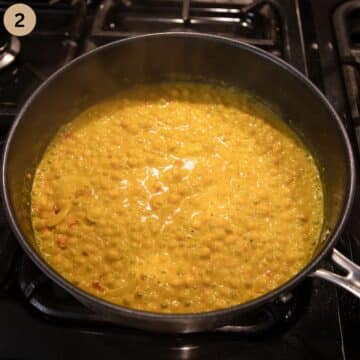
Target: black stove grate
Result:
[[316, 322], [124, 18], [259, 23], [347, 30]]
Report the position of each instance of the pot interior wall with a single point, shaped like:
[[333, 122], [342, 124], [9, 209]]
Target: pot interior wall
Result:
[[159, 58]]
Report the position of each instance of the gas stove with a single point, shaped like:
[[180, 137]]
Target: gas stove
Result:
[[321, 38]]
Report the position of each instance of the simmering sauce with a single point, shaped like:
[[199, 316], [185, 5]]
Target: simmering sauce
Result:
[[177, 198]]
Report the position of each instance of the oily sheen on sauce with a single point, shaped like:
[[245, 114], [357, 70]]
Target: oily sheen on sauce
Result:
[[177, 198]]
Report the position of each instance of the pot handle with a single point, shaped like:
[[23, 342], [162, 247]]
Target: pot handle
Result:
[[350, 282]]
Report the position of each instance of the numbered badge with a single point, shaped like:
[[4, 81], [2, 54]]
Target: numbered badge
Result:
[[19, 19]]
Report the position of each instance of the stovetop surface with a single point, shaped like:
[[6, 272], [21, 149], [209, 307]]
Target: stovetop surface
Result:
[[37, 318]]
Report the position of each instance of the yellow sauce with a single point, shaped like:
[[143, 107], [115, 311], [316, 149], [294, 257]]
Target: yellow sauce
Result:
[[177, 198]]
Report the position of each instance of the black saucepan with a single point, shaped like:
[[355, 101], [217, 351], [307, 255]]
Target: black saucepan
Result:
[[164, 56]]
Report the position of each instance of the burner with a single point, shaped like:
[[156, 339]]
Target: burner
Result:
[[55, 41], [259, 23], [9, 48]]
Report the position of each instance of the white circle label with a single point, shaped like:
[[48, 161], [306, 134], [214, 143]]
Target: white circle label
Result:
[[19, 19]]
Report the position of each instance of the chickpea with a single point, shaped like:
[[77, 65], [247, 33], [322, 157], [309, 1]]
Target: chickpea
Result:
[[204, 253], [111, 255]]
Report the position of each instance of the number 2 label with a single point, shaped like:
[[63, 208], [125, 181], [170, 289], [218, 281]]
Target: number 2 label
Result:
[[19, 19], [19, 22]]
